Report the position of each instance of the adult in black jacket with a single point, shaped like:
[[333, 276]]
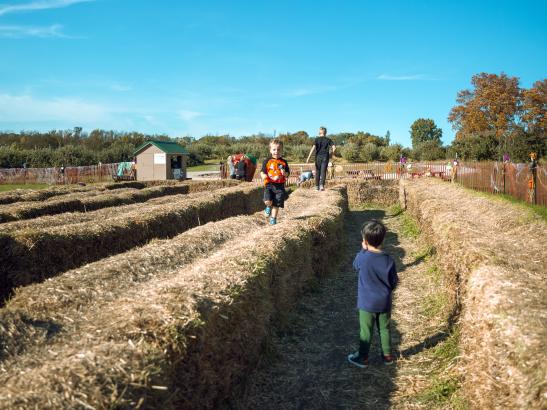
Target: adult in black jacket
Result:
[[322, 147]]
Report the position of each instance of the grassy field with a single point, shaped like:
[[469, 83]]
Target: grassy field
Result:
[[11, 187], [210, 165]]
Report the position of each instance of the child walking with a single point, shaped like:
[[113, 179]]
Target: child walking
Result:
[[377, 280], [274, 173]]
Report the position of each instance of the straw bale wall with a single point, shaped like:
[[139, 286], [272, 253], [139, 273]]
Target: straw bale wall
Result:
[[32, 255], [496, 254], [93, 200], [360, 191], [69, 218], [187, 339]]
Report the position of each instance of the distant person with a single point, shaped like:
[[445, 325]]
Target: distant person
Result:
[[322, 147], [233, 162], [377, 280], [275, 172], [304, 176]]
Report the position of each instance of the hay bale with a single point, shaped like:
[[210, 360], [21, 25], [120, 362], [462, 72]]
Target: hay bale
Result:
[[184, 340], [496, 254], [67, 218], [32, 255], [360, 191], [97, 199]]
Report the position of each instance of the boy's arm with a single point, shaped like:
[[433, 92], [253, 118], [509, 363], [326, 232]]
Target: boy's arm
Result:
[[356, 262], [287, 170], [263, 170]]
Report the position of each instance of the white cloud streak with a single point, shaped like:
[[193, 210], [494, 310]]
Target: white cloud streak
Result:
[[29, 31], [38, 5], [27, 109], [401, 77], [188, 115]]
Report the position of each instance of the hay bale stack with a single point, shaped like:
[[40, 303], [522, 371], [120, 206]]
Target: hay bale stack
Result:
[[108, 210], [360, 191], [185, 340], [97, 199], [32, 255], [496, 253], [23, 195], [75, 292]]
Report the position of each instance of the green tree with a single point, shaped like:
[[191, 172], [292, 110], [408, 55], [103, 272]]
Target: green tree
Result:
[[425, 129], [369, 152], [350, 152]]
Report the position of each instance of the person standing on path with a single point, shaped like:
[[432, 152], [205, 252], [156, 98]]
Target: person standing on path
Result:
[[377, 280], [322, 147]]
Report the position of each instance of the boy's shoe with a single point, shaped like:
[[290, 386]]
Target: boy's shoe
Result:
[[388, 359], [317, 187], [321, 188], [357, 360], [268, 211], [273, 221]]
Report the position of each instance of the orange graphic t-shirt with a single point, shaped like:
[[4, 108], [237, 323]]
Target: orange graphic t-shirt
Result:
[[273, 167]]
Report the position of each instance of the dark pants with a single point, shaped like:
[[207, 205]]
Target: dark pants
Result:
[[321, 163], [275, 193]]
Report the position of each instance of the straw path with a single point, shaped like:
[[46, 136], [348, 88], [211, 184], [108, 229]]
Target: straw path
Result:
[[307, 367]]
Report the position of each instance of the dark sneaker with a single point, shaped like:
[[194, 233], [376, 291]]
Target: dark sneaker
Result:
[[268, 211], [357, 360], [273, 221], [388, 359], [317, 188]]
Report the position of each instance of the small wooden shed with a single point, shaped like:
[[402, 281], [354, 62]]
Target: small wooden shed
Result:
[[160, 160]]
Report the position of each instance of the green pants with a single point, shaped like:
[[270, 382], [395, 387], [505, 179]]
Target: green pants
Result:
[[366, 323]]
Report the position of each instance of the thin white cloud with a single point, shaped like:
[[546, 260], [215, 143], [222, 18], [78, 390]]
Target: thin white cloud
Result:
[[38, 5], [304, 91], [389, 77], [188, 115], [30, 31], [27, 109], [121, 87]]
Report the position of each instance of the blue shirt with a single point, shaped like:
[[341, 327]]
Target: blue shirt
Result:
[[377, 280]]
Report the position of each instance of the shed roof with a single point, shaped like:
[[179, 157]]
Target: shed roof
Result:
[[166, 146]]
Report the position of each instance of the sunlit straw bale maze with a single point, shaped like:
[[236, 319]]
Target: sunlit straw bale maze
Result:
[[168, 295]]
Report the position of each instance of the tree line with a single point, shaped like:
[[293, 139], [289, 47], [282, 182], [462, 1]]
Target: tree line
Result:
[[495, 117]]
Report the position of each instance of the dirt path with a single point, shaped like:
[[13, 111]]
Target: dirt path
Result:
[[307, 367]]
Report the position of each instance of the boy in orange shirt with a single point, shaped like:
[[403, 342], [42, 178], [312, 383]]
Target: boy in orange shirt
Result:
[[275, 171]]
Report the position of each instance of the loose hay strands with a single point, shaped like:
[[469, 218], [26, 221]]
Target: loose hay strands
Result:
[[33, 255], [24, 195], [496, 252], [93, 200], [185, 340], [381, 192], [74, 293], [79, 291], [67, 218]]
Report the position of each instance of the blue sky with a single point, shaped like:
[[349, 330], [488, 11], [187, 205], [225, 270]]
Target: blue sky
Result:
[[243, 67]]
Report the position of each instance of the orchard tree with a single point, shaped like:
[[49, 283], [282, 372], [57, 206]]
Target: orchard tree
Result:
[[534, 116], [424, 130], [492, 105]]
